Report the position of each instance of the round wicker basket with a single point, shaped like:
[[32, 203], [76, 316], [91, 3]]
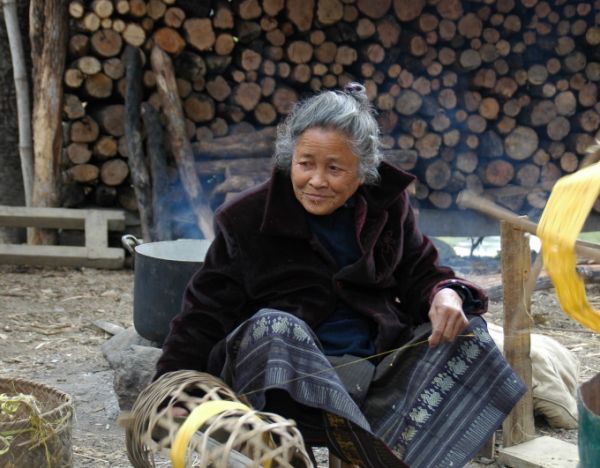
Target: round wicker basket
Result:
[[39, 437], [228, 438]]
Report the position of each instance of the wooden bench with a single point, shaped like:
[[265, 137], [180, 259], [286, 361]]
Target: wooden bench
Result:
[[96, 223]]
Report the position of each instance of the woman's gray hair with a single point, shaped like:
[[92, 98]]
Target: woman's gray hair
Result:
[[348, 111]]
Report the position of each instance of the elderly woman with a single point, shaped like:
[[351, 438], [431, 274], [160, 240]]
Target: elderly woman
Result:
[[320, 300]]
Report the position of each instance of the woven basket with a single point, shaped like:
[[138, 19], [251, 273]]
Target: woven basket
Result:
[[230, 438], [28, 445]]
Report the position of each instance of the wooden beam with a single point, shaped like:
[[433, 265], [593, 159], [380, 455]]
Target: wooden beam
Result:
[[516, 263]]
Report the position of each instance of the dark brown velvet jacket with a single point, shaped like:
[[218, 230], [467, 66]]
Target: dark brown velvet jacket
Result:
[[265, 256]]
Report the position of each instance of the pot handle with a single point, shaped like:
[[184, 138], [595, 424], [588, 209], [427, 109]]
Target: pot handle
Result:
[[130, 242]]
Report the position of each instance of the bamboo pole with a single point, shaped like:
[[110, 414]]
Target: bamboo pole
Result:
[[467, 199], [22, 95]]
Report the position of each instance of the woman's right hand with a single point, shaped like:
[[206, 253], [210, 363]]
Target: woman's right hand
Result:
[[446, 316]]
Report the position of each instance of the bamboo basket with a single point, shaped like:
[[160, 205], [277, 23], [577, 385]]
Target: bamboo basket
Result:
[[233, 438], [35, 425]]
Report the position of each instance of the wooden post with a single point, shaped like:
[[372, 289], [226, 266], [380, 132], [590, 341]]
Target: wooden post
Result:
[[133, 132], [516, 263], [158, 169], [48, 35], [180, 144]]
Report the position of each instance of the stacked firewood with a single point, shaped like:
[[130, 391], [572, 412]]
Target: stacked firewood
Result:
[[499, 97]]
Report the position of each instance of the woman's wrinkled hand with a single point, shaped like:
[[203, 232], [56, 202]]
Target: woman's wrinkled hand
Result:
[[446, 316]]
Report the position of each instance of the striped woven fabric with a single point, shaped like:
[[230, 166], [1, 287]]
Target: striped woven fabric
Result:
[[418, 406]]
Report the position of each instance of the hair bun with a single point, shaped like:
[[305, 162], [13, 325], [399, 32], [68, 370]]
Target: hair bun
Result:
[[354, 87], [358, 92]]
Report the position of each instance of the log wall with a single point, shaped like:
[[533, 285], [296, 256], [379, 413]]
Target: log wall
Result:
[[500, 97]]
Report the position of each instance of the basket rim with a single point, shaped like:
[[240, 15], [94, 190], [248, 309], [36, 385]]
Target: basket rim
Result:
[[64, 403]]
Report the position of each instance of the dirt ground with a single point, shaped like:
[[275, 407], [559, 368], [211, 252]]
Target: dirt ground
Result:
[[47, 334]]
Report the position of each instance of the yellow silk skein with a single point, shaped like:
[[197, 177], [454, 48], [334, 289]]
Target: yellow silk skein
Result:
[[563, 218], [196, 419]]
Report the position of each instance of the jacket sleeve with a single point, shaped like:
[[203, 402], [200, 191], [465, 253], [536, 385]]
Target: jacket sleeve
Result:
[[420, 276], [212, 304]]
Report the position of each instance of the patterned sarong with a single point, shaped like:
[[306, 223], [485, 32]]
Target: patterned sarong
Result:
[[429, 407]]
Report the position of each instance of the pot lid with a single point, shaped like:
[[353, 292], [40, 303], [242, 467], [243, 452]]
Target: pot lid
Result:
[[181, 250]]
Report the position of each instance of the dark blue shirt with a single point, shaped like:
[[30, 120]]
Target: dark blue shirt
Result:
[[345, 331]]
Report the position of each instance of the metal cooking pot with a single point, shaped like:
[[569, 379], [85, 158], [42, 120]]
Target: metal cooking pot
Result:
[[162, 271]]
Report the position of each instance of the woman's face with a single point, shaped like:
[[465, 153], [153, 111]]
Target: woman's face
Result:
[[324, 170]]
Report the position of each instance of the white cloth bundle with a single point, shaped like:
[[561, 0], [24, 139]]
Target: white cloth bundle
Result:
[[554, 375]]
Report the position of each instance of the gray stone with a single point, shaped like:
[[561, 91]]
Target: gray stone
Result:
[[135, 374], [115, 347], [133, 360]]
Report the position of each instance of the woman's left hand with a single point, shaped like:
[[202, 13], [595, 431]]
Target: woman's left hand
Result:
[[446, 316]]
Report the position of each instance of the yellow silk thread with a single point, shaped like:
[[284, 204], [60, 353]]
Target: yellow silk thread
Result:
[[563, 218], [196, 419]]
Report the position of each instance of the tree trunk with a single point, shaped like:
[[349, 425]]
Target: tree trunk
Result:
[[48, 35]]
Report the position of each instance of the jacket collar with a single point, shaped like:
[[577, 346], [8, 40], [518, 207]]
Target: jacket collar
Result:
[[284, 215], [392, 183]]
